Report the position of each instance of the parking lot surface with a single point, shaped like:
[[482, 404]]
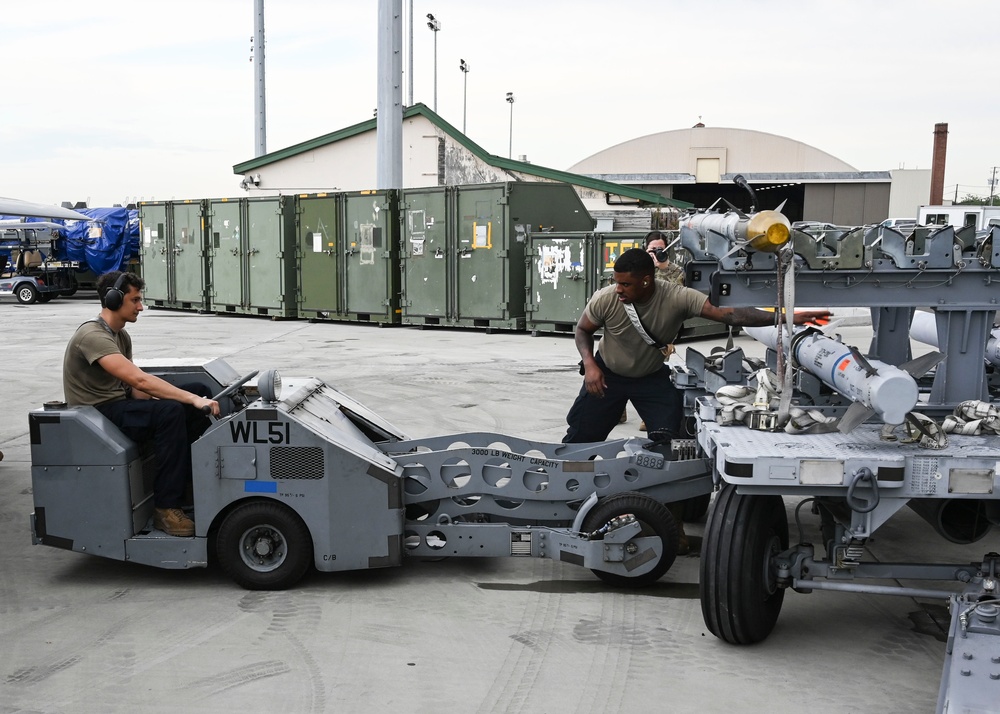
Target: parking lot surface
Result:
[[85, 634]]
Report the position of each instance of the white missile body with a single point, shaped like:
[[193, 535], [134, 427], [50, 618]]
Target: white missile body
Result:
[[886, 390], [923, 328]]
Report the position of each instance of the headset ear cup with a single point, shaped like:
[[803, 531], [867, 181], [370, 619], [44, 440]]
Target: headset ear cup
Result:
[[114, 298]]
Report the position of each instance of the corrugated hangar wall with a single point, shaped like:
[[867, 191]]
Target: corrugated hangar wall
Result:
[[843, 204]]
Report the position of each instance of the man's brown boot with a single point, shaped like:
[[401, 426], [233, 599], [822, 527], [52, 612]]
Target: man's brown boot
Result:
[[173, 521]]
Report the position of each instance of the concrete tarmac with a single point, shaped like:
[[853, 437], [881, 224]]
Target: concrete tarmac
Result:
[[86, 634]]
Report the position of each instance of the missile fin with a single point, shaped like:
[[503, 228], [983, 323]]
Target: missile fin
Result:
[[855, 415], [865, 364], [922, 365], [737, 247]]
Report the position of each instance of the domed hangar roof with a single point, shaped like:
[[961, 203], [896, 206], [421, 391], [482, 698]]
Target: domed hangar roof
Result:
[[730, 150]]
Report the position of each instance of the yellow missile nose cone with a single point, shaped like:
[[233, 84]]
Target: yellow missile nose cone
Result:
[[768, 230]]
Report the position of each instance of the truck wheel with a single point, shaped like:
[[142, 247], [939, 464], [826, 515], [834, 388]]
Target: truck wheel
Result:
[[27, 294], [740, 598], [264, 546], [655, 520], [695, 508]]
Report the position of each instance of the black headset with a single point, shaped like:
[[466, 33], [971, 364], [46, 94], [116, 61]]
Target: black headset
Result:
[[115, 296]]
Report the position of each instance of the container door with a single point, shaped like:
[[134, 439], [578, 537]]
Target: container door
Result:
[[317, 249], [227, 249], [155, 266], [480, 253], [560, 280], [189, 253], [610, 246], [425, 254], [265, 252], [368, 253]]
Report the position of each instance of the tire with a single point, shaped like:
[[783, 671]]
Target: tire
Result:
[[694, 509], [45, 297], [269, 526], [655, 520], [27, 294], [740, 599]]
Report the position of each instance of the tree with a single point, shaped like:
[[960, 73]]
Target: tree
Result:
[[973, 200]]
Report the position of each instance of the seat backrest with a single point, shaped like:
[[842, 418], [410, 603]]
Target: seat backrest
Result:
[[31, 259]]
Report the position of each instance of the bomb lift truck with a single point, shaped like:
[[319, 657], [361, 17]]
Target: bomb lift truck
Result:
[[298, 474], [938, 451]]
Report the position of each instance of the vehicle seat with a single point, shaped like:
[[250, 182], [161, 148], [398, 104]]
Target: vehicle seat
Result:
[[82, 463]]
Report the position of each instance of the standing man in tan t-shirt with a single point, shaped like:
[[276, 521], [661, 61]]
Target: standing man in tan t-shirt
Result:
[[98, 371], [625, 367]]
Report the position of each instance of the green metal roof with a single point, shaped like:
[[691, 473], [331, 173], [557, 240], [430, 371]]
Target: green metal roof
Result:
[[522, 167]]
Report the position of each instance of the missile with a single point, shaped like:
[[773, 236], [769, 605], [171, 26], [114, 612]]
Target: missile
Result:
[[923, 328], [875, 387], [764, 231]]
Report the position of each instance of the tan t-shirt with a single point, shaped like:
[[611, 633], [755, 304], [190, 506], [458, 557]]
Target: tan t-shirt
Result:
[[622, 347], [84, 381]]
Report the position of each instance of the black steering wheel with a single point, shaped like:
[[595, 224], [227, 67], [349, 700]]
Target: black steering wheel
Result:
[[235, 385]]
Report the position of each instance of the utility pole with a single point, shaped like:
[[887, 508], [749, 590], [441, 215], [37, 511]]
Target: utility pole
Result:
[[257, 57], [464, 66], [993, 183], [435, 26], [409, 70], [389, 113], [510, 146]]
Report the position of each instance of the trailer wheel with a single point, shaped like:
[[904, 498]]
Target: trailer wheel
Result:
[[740, 598], [694, 509], [27, 294], [264, 546], [654, 519]]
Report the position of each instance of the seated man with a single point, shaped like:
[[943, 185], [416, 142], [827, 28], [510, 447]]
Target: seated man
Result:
[[98, 371]]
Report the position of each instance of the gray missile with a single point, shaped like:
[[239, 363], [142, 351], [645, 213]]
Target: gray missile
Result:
[[875, 387]]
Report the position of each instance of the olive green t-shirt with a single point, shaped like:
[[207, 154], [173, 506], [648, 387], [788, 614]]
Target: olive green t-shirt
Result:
[[85, 382], [622, 347]]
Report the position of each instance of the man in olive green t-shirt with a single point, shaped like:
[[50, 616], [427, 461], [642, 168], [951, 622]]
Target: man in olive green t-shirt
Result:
[[98, 371]]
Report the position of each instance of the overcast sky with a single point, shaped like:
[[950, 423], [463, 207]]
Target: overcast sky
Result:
[[114, 100]]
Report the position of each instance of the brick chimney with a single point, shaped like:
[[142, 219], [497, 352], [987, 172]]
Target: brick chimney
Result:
[[937, 167]]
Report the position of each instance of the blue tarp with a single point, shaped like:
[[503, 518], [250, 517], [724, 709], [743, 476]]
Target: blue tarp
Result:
[[107, 243]]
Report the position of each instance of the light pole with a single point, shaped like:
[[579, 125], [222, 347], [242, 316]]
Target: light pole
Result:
[[510, 146], [435, 26], [464, 66]]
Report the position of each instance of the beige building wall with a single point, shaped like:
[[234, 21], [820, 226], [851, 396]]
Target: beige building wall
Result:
[[430, 158], [911, 188]]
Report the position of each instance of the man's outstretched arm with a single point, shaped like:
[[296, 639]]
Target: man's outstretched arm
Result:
[[752, 317]]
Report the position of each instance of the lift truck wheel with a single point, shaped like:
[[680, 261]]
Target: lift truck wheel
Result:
[[27, 294], [264, 546], [653, 517], [740, 600]]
